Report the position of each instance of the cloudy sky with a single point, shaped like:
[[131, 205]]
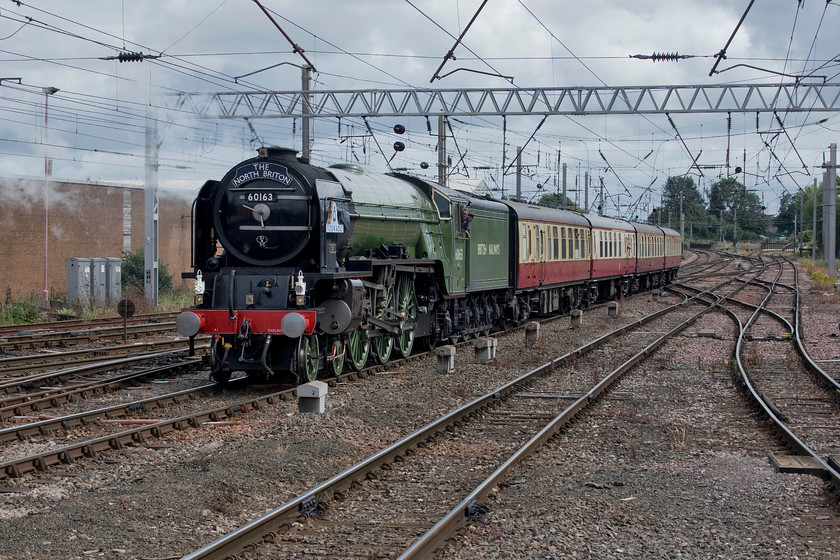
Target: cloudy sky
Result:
[[97, 118]]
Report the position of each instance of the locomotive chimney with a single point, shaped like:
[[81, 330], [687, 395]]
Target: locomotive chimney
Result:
[[277, 152]]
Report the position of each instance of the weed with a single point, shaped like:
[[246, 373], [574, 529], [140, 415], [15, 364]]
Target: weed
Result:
[[680, 438], [223, 500], [754, 356], [459, 391], [20, 312]]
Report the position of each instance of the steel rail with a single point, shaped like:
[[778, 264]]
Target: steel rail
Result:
[[72, 452], [52, 400], [800, 346], [36, 362], [21, 383], [444, 529], [231, 544], [781, 428], [92, 447], [746, 304], [61, 338], [150, 318]]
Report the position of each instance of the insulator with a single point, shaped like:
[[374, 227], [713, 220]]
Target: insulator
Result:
[[668, 57], [130, 56], [399, 146], [399, 129]]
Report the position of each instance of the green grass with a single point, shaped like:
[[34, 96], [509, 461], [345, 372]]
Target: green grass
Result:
[[31, 310], [19, 312]]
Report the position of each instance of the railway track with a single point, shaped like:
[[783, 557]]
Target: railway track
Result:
[[39, 339], [410, 497], [303, 528], [775, 368], [26, 329], [34, 394], [16, 366]]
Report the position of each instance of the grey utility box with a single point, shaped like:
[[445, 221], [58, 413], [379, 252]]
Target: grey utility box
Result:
[[98, 281], [78, 281], [95, 281], [113, 279]]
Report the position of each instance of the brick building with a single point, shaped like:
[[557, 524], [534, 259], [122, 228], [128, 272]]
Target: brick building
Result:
[[85, 220]]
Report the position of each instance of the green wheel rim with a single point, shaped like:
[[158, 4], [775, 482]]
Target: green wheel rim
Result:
[[338, 351], [406, 303], [359, 349], [385, 343], [311, 351]]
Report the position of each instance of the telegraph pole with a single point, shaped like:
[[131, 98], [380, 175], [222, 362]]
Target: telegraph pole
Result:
[[150, 247], [814, 230], [830, 209], [441, 148], [601, 205], [586, 192], [565, 200], [306, 110], [682, 225]]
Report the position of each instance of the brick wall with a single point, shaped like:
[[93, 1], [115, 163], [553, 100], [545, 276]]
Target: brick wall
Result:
[[85, 220]]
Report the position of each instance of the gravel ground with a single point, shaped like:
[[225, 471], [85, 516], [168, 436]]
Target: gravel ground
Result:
[[673, 464]]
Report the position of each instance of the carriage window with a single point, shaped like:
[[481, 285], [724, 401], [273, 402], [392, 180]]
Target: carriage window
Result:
[[539, 234], [577, 243], [524, 243], [548, 243], [530, 242], [556, 245], [563, 242]]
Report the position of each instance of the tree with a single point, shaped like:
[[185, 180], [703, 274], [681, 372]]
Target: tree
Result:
[[730, 200], [134, 272], [693, 205], [788, 214], [554, 200]]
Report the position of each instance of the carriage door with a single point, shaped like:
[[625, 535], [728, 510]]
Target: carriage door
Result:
[[540, 233], [460, 254]]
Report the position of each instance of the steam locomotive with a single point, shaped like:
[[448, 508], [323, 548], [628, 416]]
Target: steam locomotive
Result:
[[302, 269]]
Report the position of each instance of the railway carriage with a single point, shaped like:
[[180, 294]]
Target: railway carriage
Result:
[[673, 253], [301, 269], [614, 256], [552, 266]]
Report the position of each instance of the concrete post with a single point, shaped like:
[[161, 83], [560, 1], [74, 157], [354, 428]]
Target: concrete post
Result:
[[445, 359], [577, 318], [612, 309], [485, 350], [532, 333], [312, 397]]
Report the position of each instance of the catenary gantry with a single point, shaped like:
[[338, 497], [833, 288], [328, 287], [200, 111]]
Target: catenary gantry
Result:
[[621, 100]]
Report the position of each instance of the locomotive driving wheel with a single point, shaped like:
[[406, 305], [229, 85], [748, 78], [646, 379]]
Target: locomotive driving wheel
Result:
[[407, 305], [383, 345], [308, 352], [337, 356], [358, 345]]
